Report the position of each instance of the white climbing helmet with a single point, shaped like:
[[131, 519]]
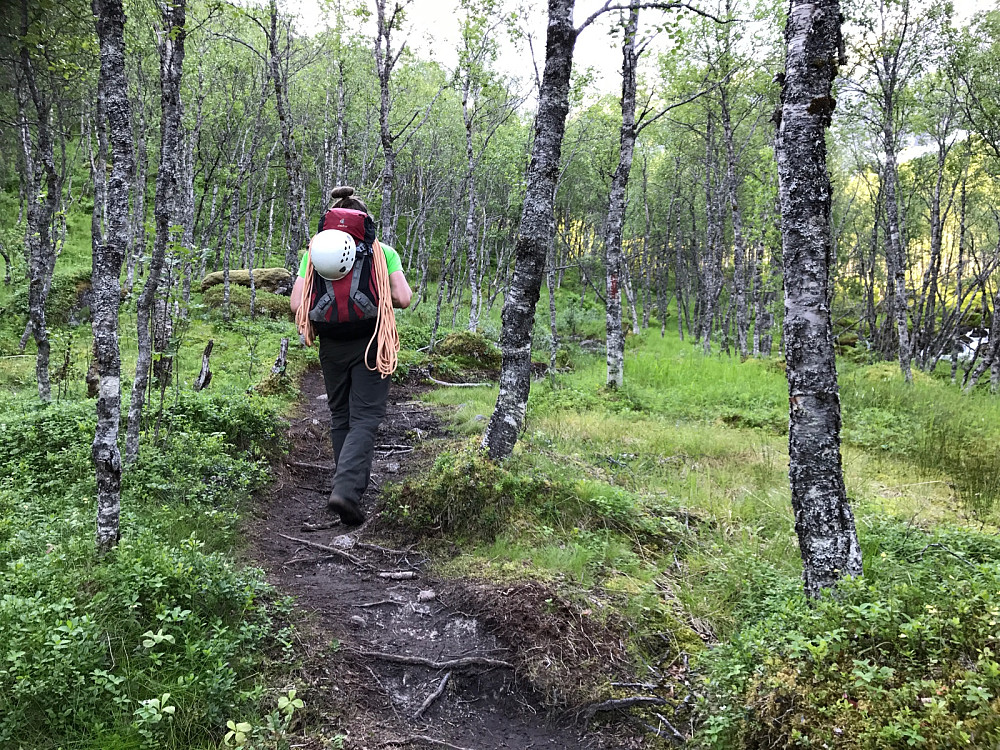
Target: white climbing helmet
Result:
[[333, 253]]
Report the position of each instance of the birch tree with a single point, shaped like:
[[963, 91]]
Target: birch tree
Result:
[[107, 265], [171, 48], [615, 223], [824, 522]]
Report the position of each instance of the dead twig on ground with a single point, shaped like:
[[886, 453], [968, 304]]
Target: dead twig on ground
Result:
[[459, 385], [306, 465], [616, 704], [398, 575], [419, 661], [424, 738], [332, 550], [320, 526], [379, 603], [433, 696]]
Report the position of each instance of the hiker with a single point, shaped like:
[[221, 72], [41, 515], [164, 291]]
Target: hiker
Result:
[[339, 298]]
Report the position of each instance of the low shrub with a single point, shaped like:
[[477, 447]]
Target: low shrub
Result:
[[904, 657], [470, 349], [466, 494], [267, 304], [156, 643]]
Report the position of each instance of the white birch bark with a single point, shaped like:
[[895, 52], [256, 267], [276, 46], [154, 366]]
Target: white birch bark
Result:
[[41, 210], [171, 67], [615, 222], [107, 265], [824, 522], [535, 235]]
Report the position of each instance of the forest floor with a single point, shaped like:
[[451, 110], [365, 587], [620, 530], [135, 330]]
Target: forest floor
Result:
[[380, 636]]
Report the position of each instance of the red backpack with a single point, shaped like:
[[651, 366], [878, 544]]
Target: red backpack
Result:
[[354, 297]]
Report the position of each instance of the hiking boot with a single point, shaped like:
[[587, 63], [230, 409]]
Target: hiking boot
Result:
[[349, 511]]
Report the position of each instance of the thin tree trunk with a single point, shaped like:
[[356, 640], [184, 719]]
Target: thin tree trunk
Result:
[[107, 262], [535, 235], [41, 209], [823, 519], [739, 243], [171, 67], [299, 229], [895, 255], [615, 223]]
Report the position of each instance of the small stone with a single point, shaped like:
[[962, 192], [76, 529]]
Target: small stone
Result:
[[421, 609], [478, 418], [358, 621], [419, 433], [315, 421], [392, 468], [344, 542], [321, 397], [427, 595]]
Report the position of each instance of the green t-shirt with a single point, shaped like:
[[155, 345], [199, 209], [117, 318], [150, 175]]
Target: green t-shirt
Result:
[[392, 260]]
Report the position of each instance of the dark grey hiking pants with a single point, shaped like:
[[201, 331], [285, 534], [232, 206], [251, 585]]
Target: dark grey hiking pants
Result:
[[357, 399]]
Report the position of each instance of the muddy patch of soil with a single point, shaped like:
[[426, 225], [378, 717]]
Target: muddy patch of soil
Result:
[[391, 657]]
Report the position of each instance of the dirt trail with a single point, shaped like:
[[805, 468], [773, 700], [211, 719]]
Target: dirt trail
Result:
[[372, 699]]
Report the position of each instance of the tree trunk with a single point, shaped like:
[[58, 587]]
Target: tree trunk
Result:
[[107, 260], [894, 253], [470, 217], [41, 209], [535, 235], [171, 67], [739, 243], [299, 228], [615, 223], [384, 63], [823, 519]]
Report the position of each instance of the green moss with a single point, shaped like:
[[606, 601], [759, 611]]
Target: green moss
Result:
[[267, 304], [471, 349], [464, 493]]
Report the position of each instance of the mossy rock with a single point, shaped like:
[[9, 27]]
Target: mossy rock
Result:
[[273, 280], [883, 372], [267, 304], [275, 385], [471, 349]]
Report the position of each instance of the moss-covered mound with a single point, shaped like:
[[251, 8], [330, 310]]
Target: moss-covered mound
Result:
[[267, 304], [274, 280], [470, 349]]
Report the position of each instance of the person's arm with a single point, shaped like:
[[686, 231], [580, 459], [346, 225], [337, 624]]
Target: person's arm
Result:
[[398, 288], [296, 298]]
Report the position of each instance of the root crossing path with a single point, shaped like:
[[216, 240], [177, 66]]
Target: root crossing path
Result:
[[387, 662]]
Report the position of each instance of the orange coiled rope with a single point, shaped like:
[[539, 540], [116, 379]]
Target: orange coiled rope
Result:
[[387, 350], [302, 313]]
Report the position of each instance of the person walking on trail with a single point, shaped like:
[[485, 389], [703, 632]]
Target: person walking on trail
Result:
[[347, 285]]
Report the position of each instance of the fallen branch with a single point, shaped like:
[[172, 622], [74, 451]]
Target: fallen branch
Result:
[[383, 550], [620, 703], [303, 465], [433, 696], [388, 447], [424, 738], [938, 545], [459, 385], [319, 526], [398, 575], [419, 661], [325, 548], [379, 603]]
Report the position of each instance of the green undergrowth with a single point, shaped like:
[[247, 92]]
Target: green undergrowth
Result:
[[904, 658], [162, 641]]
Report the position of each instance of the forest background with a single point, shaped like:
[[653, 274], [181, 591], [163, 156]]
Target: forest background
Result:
[[663, 280]]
